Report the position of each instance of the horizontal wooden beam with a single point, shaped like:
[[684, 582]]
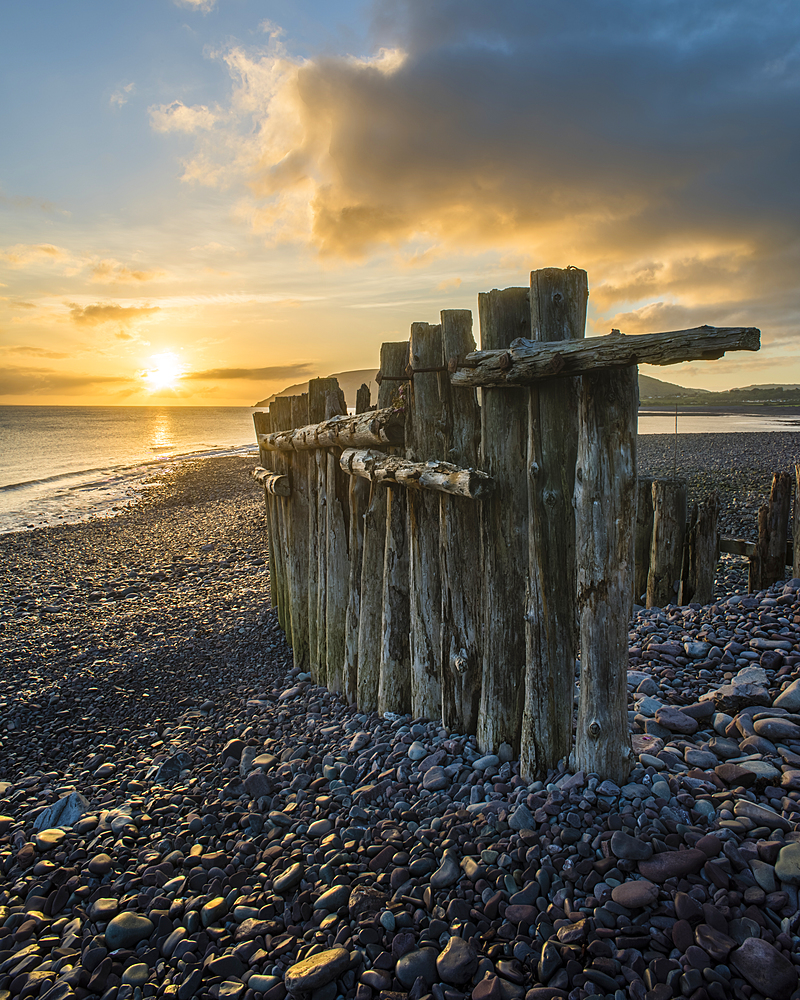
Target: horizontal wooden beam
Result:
[[741, 547], [439, 476], [373, 429], [272, 482], [527, 362]]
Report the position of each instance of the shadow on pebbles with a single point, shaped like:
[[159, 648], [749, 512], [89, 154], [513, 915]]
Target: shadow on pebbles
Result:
[[185, 814]]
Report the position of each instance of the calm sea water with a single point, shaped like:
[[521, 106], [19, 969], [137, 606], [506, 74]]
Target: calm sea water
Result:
[[60, 464], [65, 463]]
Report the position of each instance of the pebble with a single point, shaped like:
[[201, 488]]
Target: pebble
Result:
[[257, 826]]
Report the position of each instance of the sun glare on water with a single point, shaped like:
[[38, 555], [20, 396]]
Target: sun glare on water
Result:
[[166, 372]]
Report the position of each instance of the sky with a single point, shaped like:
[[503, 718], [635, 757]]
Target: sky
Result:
[[203, 201]]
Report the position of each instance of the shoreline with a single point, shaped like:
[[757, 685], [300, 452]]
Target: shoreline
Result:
[[237, 821]]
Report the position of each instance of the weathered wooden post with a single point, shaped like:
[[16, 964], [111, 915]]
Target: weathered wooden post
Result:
[[281, 412], [643, 541], [297, 510], [393, 360], [317, 519], [768, 564], [796, 526], [605, 507], [422, 444], [459, 532], [702, 552], [666, 552], [358, 498], [394, 638], [263, 425], [336, 560], [558, 313], [505, 315]]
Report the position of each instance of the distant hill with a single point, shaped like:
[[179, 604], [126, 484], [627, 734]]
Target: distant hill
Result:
[[349, 383], [652, 391]]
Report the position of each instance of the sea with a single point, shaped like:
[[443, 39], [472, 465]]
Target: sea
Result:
[[62, 464]]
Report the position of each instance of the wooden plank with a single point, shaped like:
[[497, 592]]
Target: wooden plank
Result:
[[277, 486], [358, 499], [393, 360], [373, 429], [317, 577], [394, 681], [736, 546], [423, 512], [605, 505], [669, 533], [440, 477], [558, 312], [296, 510], [505, 314], [337, 564], [460, 542], [526, 362]]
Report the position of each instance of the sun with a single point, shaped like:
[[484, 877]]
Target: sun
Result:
[[166, 372]]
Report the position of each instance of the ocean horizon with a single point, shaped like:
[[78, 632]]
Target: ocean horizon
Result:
[[62, 464]]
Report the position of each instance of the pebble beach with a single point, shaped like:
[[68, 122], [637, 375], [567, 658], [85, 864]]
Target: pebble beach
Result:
[[185, 814]]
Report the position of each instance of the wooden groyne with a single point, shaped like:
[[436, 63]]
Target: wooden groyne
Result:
[[448, 552]]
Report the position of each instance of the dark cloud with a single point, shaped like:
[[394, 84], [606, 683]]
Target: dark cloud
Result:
[[46, 382], [109, 313], [251, 374]]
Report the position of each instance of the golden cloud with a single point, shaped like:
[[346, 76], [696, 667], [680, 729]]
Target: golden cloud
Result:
[[95, 315], [26, 253], [178, 117], [109, 270]]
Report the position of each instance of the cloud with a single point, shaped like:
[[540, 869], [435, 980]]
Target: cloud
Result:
[[251, 374], [45, 382], [27, 253], [110, 270], [95, 315], [25, 202], [39, 352], [653, 150], [178, 117], [202, 5], [122, 95]]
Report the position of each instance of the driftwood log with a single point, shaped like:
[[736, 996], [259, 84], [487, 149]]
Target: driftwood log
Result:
[[373, 429], [277, 486], [441, 477], [526, 361]]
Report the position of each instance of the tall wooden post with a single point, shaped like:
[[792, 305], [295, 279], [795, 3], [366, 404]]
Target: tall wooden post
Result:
[[605, 507], [558, 312], [423, 511], [297, 511], [281, 412], [459, 532], [317, 519], [336, 564], [263, 425], [669, 532], [644, 538], [701, 552], [394, 682], [358, 498], [796, 526], [393, 360], [768, 564], [505, 315]]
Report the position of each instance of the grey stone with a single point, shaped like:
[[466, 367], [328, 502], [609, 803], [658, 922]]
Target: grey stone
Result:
[[172, 767], [789, 698], [448, 873], [522, 818], [317, 970], [457, 963], [765, 969], [127, 929], [421, 962], [64, 812], [629, 848]]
